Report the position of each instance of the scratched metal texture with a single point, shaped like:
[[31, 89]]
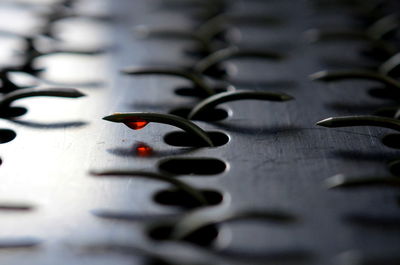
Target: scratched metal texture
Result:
[[276, 157]]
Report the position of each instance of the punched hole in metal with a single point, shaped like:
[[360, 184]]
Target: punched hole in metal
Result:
[[179, 198], [193, 166], [184, 139]]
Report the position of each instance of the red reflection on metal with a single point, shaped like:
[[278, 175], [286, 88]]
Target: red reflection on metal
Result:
[[143, 150], [136, 124]]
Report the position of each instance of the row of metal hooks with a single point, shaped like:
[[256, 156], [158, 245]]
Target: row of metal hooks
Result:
[[381, 33], [384, 29], [377, 29], [201, 221]]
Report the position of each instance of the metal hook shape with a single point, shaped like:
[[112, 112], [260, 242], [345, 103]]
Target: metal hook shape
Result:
[[9, 98], [196, 79], [195, 74], [348, 121], [342, 181], [196, 220], [145, 117], [233, 53], [224, 97]]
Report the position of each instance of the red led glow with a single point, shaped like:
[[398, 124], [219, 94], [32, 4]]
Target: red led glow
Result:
[[136, 124], [144, 150]]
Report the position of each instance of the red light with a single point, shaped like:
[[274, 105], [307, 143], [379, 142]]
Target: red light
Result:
[[136, 124], [144, 150]]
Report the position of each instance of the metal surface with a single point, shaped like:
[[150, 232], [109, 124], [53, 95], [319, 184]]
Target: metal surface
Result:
[[276, 158]]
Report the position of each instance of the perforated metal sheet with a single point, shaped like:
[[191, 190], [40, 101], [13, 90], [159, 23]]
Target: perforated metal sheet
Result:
[[276, 157]]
